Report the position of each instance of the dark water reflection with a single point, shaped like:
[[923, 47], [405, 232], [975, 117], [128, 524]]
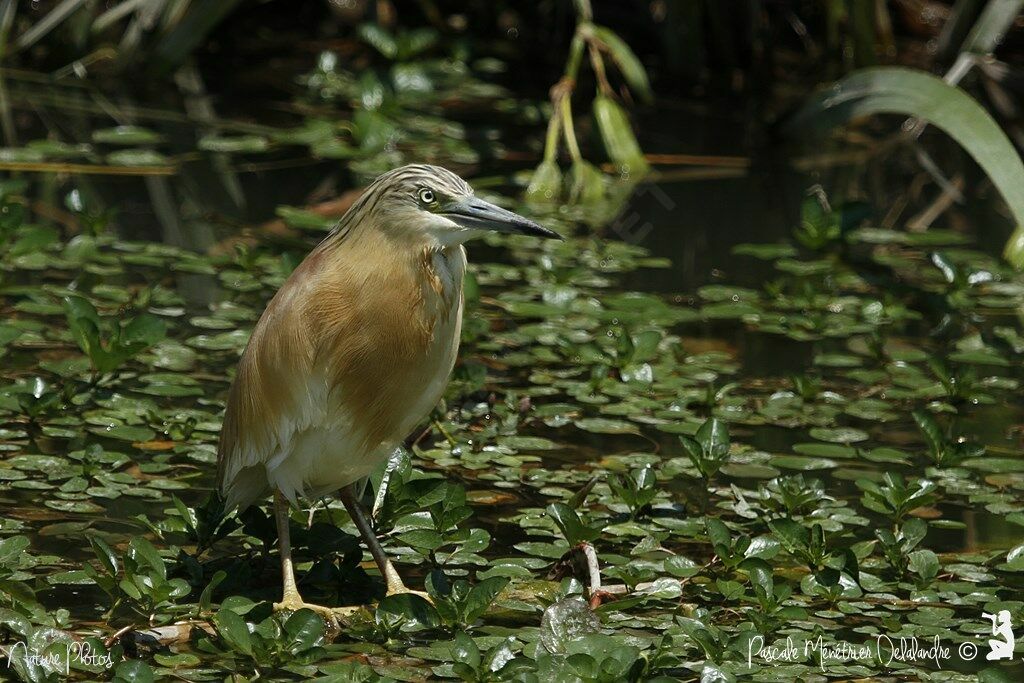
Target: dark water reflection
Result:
[[697, 222]]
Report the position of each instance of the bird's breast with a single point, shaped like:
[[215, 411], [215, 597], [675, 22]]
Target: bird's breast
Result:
[[392, 363]]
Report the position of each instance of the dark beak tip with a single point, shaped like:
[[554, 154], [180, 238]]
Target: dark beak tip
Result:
[[534, 229], [537, 230], [477, 213]]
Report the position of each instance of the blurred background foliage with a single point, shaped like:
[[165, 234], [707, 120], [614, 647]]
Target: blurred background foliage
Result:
[[364, 85]]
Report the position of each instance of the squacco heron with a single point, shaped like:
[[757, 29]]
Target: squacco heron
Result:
[[353, 351]]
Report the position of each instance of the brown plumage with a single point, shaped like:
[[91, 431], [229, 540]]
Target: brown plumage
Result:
[[354, 349], [351, 336]]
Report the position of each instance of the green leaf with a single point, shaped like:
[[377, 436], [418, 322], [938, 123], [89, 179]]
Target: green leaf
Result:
[[692, 448], [913, 531], [794, 536], [133, 671], [645, 483], [206, 597], [136, 157], [379, 39], [680, 566], [760, 573], [617, 134], [924, 563], [713, 436], [501, 655], [481, 596], [305, 630], [233, 630], [187, 515], [464, 650], [424, 539], [586, 183], [126, 135], [19, 591], [84, 322], [948, 269], [719, 534], [143, 331], [416, 611], [898, 90], [105, 554], [415, 41], [996, 674], [11, 550], [304, 220], [930, 428], [567, 620], [15, 623], [33, 240], [142, 551], [988, 30], [239, 143], [730, 590], [574, 530], [545, 183], [626, 60]]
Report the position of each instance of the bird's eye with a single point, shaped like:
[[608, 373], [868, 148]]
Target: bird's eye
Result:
[[427, 196]]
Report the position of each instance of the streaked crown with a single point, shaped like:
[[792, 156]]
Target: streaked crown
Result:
[[431, 203]]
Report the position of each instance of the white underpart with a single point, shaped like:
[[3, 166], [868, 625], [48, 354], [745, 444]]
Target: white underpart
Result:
[[447, 233]]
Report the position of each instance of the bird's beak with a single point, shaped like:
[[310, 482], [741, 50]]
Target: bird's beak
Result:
[[473, 213]]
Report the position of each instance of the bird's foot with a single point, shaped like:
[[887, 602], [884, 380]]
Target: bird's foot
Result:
[[331, 615], [400, 589]]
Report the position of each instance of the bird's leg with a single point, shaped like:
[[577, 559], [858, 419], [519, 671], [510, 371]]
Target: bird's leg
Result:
[[291, 601], [387, 570], [290, 594]]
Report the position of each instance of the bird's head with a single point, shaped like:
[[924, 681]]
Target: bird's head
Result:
[[434, 203]]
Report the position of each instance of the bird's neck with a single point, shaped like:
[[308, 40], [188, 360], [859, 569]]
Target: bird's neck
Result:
[[444, 268], [431, 270]]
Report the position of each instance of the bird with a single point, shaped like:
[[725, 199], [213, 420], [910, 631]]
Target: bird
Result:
[[352, 352]]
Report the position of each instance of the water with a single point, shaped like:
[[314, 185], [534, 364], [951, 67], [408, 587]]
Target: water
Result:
[[689, 215]]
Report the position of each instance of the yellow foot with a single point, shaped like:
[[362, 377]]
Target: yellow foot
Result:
[[330, 615], [400, 589]]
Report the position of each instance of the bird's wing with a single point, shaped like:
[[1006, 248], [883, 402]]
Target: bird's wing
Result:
[[348, 329], [276, 392]]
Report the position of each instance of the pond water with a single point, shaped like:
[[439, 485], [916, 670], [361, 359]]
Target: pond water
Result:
[[583, 363]]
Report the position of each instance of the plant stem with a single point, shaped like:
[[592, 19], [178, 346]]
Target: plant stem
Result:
[[561, 93], [440, 427], [583, 10], [572, 67], [597, 62], [570, 131], [551, 140]]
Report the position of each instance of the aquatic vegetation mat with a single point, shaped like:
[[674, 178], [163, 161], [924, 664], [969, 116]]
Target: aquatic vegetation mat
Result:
[[619, 485]]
